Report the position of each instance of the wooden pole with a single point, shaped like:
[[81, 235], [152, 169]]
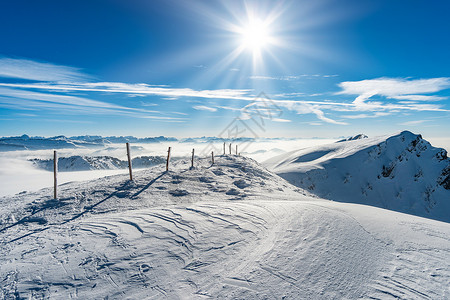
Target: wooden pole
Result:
[[212, 156], [55, 175], [230, 148], [223, 148], [192, 159], [236, 150], [168, 158], [129, 161]]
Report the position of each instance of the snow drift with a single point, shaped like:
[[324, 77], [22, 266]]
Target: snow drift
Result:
[[401, 172], [232, 230]]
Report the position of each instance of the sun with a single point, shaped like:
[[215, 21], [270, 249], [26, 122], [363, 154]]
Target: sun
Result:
[[255, 36]]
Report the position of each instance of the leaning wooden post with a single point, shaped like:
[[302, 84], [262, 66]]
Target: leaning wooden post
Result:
[[192, 159], [236, 150], [230, 148], [55, 175], [168, 158], [212, 156], [129, 161]]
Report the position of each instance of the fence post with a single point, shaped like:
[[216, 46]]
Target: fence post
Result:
[[223, 148], [168, 158], [129, 161], [230, 148], [236, 150], [55, 175], [212, 156], [192, 159]]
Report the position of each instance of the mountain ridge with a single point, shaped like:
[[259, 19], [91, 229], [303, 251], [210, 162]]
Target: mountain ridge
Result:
[[402, 172]]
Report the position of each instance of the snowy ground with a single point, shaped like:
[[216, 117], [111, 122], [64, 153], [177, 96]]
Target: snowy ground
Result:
[[231, 230], [18, 174], [401, 172]]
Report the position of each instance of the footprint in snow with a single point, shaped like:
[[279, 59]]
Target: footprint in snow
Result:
[[241, 184], [232, 191], [205, 179], [145, 268], [178, 193], [176, 179], [218, 172]]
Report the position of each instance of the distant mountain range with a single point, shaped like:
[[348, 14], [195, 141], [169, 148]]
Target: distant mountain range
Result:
[[401, 172], [26, 142], [85, 163]]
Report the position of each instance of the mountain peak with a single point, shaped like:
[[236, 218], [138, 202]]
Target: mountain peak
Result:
[[401, 172], [353, 138]]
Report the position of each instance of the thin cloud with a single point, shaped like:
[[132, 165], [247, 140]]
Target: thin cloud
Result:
[[406, 94], [419, 98], [202, 107], [301, 107], [395, 88], [119, 87], [61, 99], [413, 123], [38, 71], [291, 77], [27, 100], [365, 116], [281, 120]]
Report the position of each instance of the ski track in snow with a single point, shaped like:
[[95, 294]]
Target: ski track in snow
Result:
[[184, 235]]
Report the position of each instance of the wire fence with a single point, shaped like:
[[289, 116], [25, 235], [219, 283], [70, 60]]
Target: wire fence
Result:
[[243, 130]]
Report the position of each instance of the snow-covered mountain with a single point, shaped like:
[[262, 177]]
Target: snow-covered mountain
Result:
[[232, 230], [401, 172], [353, 138], [26, 142], [84, 163]]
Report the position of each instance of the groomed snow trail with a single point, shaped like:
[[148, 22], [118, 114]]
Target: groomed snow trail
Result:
[[232, 230]]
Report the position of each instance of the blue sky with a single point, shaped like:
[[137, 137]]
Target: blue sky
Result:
[[189, 68]]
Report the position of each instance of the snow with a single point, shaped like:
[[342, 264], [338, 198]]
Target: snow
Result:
[[231, 230], [18, 174], [401, 172], [84, 163]]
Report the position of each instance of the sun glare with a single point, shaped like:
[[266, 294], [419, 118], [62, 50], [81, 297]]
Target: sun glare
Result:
[[255, 36]]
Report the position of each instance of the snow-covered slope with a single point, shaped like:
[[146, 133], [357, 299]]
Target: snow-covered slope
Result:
[[232, 230], [353, 138], [401, 172], [83, 163]]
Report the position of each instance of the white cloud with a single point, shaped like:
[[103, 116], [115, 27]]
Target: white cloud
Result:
[[365, 116], [230, 108], [207, 108], [39, 71], [65, 104], [281, 120], [139, 88], [291, 77], [60, 81], [302, 107], [289, 95], [413, 123], [395, 88], [419, 98]]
